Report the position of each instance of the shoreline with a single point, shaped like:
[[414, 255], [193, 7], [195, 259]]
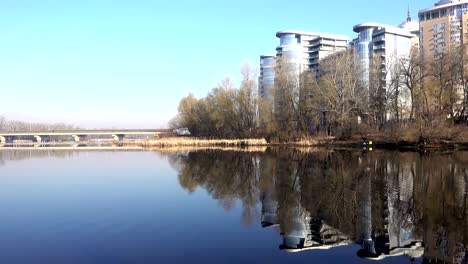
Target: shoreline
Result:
[[317, 142]]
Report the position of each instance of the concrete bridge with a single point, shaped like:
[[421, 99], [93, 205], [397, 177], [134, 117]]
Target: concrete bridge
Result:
[[78, 135]]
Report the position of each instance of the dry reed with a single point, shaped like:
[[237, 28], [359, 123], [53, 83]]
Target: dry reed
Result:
[[178, 149], [191, 143], [198, 142]]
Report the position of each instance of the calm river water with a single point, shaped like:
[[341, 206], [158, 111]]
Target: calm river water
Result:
[[273, 206]]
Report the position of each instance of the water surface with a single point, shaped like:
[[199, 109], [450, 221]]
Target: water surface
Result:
[[274, 206]]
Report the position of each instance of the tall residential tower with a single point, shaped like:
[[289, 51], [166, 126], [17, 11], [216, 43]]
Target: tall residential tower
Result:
[[266, 79], [304, 49], [307, 49], [443, 26], [387, 43], [383, 46]]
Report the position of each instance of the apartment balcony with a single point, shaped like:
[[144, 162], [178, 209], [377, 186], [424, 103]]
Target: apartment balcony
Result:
[[379, 47], [314, 57], [311, 50], [312, 44], [328, 48], [379, 39]]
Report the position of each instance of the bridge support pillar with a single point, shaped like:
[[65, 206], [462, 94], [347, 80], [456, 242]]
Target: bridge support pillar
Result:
[[118, 138], [7, 139], [78, 138], [38, 139]]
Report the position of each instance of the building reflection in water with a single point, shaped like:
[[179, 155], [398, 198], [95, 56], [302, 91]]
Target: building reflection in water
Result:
[[395, 236], [299, 229], [269, 210], [390, 203]]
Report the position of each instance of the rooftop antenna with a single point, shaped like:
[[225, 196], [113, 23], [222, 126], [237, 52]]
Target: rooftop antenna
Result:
[[408, 19]]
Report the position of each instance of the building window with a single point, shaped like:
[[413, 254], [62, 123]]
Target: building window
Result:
[[443, 12]]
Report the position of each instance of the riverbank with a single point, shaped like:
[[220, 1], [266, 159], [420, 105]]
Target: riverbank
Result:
[[370, 141], [194, 142], [198, 142]]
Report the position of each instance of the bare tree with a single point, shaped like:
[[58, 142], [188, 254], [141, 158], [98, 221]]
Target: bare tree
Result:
[[247, 99], [2, 123], [464, 81], [412, 74], [286, 97], [341, 91], [225, 112], [446, 83]]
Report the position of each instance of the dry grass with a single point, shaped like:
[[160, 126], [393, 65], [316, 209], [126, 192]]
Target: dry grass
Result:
[[252, 145], [312, 141], [178, 149], [437, 134], [198, 142]]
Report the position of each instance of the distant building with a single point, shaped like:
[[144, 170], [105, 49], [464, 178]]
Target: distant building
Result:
[[304, 49], [307, 49], [443, 26], [386, 41], [413, 27], [266, 79], [182, 131], [385, 45]]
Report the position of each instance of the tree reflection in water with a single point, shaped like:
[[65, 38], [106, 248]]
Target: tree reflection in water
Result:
[[391, 203]]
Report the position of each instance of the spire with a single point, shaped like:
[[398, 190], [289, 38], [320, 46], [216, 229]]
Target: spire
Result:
[[408, 19]]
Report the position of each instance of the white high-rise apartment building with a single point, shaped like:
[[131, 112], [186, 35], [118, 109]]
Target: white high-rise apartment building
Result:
[[266, 79], [387, 42], [307, 49], [386, 45], [304, 49]]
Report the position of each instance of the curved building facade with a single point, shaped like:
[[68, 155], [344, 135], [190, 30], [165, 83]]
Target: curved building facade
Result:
[[292, 46], [302, 49], [306, 49], [266, 79], [363, 46], [386, 45], [387, 41]]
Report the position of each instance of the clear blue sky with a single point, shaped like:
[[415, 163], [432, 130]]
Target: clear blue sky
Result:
[[115, 63]]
